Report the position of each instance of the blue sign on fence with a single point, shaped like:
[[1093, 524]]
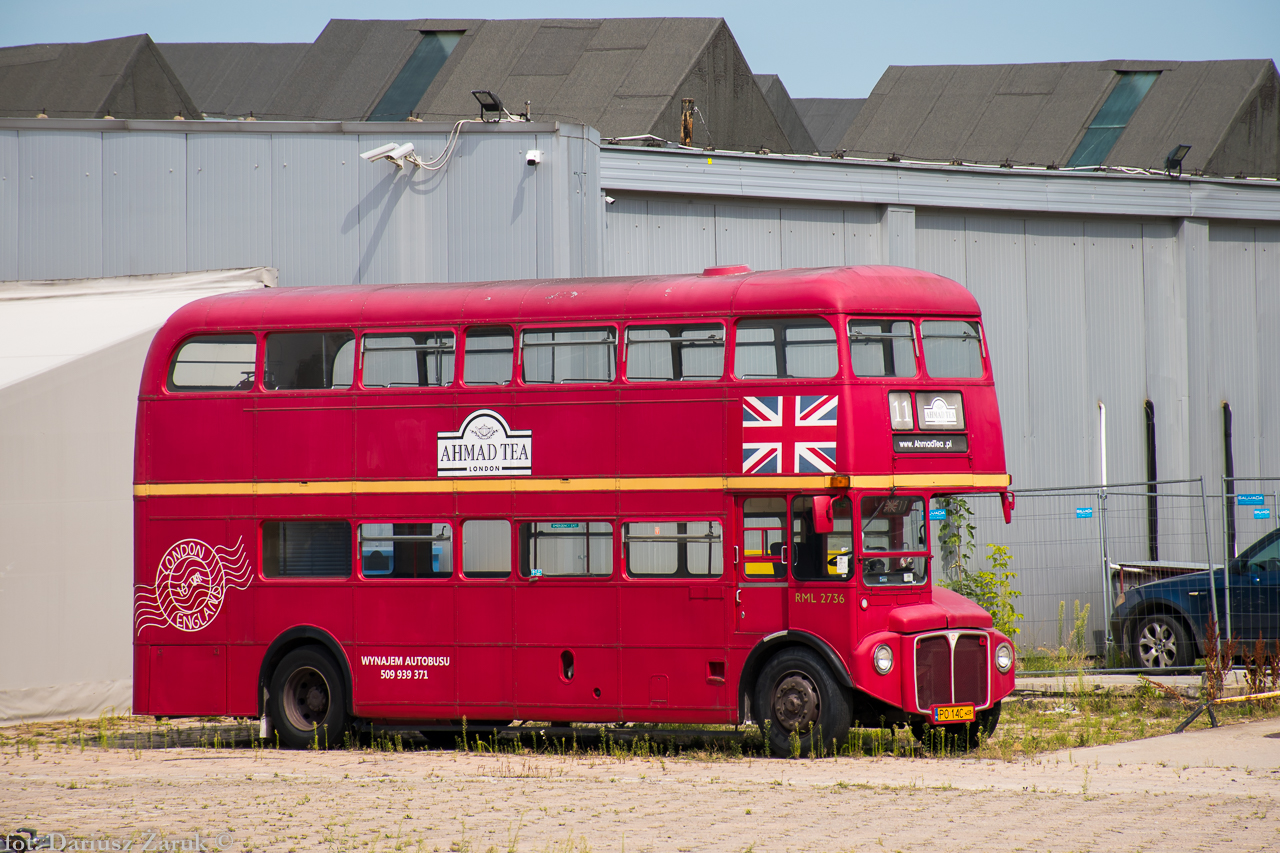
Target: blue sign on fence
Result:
[[937, 515], [1084, 512], [1262, 513], [1249, 500]]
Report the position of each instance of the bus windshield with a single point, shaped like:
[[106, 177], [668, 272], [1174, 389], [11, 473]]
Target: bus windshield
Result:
[[895, 526]]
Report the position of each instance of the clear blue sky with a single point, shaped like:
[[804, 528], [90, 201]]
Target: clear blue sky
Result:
[[820, 49]]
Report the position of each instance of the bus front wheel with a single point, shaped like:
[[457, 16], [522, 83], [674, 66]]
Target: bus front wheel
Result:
[[802, 709], [307, 700]]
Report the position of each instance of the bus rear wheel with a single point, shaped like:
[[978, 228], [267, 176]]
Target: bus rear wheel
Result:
[[801, 707], [308, 701]]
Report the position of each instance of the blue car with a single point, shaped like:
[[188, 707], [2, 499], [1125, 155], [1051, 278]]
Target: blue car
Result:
[[1163, 623]]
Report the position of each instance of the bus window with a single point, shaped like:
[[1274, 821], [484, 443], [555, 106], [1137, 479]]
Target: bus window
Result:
[[553, 356], [952, 349], [882, 347], [801, 348], [764, 525], [408, 360], [214, 363], [488, 355], [566, 549], [306, 549], [821, 556], [309, 360], [406, 550], [686, 549], [896, 527], [486, 548], [675, 353]]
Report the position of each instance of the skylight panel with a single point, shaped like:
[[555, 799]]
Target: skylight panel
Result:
[[1112, 118], [403, 95]]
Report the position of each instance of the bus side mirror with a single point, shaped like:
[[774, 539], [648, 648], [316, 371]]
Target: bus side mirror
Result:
[[823, 519], [1006, 503]]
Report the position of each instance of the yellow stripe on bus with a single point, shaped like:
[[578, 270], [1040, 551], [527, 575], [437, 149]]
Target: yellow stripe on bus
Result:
[[575, 484]]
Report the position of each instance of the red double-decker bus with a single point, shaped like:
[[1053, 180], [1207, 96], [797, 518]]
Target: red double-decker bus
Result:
[[699, 499]]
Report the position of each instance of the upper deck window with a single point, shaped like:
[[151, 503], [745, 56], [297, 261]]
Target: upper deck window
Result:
[[799, 348], [952, 349], [882, 347], [488, 356], [675, 353], [214, 363], [554, 356], [408, 360], [309, 360]]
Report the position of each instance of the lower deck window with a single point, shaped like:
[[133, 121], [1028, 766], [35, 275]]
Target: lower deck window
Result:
[[393, 550], [681, 549], [566, 549], [486, 548], [821, 556], [306, 549]]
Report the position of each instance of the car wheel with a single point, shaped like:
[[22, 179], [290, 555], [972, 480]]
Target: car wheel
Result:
[[1162, 642], [308, 701], [802, 704]]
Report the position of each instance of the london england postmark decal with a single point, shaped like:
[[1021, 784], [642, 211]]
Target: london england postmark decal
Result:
[[192, 580]]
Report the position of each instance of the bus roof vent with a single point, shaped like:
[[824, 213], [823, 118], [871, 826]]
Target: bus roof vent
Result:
[[737, 269]]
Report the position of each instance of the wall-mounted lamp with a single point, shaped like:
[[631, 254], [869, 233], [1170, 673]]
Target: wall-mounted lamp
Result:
[[1175, 158], [489, 103]]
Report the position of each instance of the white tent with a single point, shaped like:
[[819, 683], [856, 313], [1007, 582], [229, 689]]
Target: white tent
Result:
[[71, 355]]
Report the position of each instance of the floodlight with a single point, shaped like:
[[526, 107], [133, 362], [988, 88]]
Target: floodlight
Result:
[[489, 102], [1175, 158]]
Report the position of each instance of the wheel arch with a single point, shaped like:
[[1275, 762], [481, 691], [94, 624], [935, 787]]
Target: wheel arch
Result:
[[296, 638], [775, 643]]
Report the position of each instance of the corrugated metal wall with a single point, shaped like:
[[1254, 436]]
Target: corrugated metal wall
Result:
[[82, 203]]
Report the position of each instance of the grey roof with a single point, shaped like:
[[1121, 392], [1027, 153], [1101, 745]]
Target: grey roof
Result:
[[1036, 114], [828, 119], [784, 110], [232, 80], [123, 77]]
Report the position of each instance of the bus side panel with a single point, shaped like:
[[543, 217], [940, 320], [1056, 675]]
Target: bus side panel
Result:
[[243, 665], [572, 437], [672, 637], [561, 622], [872, 451], [200, 439], [672, 439], [141, 679], [326, 606], [396, 434], [304, 438], [188, 680], [484, 667]]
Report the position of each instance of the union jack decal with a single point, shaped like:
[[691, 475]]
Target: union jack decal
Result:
[[789, 435]]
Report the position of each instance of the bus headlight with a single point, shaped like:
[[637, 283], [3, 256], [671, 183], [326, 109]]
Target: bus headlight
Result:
[[883, 657], [1004, 657]]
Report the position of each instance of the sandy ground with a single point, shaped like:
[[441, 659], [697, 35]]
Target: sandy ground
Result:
[[1202, 790]]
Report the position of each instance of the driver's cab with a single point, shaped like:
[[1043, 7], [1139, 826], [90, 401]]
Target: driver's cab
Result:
[[884, 538]]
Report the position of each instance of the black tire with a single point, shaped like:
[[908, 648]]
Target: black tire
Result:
[[963, 737], [1161, 641], [796, 694], [308, 700]]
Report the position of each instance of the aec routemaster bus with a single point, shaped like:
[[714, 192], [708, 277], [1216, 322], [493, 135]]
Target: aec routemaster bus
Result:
[[698, 499]]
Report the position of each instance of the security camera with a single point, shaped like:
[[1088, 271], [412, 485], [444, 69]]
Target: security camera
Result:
[[533, 156], [400, 152], [379, 152], [609, 199]]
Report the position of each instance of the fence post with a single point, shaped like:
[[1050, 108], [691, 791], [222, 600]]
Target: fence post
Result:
[[1208, 552], [1106, 576], [1228, 506]]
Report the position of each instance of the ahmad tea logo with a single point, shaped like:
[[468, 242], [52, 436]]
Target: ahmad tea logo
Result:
[[191, 582], [939, 415], [484, 447]]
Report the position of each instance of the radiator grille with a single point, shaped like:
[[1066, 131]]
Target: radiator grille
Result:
[[936, 662], [971, 669], [933, 671]]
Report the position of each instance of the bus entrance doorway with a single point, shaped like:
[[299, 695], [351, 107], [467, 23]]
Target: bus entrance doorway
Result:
[[762, 565], [821, 596]]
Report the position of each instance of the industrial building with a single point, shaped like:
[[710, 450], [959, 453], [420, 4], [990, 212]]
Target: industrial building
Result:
[[1110, 269]]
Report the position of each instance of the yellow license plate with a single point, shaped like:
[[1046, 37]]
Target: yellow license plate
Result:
[[953, 714]]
